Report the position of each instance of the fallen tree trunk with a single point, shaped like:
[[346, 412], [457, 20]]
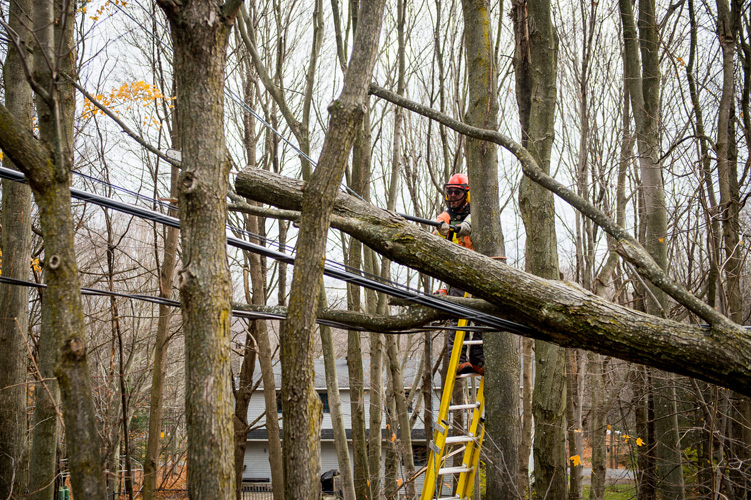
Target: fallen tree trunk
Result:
[[561, 313]]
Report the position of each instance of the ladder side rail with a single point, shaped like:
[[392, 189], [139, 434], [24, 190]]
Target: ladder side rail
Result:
[[441, 431], [472, 453]]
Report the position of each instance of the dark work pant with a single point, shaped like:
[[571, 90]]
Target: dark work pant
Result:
[[476, 355]]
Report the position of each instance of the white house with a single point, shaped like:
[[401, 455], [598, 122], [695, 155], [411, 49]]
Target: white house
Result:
[[257, 467]]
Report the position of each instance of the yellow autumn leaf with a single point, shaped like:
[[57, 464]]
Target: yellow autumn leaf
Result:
[[661, 240], [393, 437], [609, 427], [639, 442], [576, 460]]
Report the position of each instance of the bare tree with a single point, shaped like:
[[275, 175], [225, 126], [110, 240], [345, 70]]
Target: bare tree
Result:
[[15, 251], [200, 32], [300, 403]]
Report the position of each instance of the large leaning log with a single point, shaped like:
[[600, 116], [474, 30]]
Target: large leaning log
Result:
[[561, 313]]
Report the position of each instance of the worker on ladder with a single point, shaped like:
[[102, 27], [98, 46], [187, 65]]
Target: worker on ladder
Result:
[[456, 225]]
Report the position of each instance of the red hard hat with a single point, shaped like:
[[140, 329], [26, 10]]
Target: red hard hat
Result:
[[460, 181]]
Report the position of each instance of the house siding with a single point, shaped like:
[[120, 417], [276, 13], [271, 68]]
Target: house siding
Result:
[[256, 462], [256, 455]]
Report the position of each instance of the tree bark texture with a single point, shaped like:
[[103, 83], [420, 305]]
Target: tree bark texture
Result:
[[335, 407], [200, 30], [561, 312], [535, 61], [46, 417], [166, 275], [358, 182], [402, 416], [502, 424], [300, 403], [644, 89], [47, 164], [15, 253]]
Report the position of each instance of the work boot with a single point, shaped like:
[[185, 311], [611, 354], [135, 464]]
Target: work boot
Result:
[[467, 368]]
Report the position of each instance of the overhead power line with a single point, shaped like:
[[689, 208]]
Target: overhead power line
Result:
[[346, 276]]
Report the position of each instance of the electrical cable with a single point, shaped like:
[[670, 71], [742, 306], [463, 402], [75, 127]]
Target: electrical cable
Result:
[[241, 313], [259, 237], [348, 277]]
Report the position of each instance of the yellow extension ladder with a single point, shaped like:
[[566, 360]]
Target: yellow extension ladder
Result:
[[443, 439]]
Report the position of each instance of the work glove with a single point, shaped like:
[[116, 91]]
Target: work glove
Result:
[[444, 229], [465, 229]]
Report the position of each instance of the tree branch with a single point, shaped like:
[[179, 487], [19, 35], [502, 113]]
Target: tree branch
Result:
[[563, 313], [140, 140], [625, 245]]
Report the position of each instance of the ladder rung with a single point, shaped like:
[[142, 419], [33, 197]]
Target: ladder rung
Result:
[[459, 439], [469, 406], [473, 342], [453, 470], [468, 375], [434, 447]]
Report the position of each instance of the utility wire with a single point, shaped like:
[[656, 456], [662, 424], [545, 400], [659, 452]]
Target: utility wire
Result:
[[245, 232], [241, 313], [458, 310]]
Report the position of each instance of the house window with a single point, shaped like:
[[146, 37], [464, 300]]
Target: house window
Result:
[[409, 401], [279, 403], [325, 401], [420, 455]]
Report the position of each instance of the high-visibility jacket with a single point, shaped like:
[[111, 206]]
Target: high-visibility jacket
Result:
[[454, 218]]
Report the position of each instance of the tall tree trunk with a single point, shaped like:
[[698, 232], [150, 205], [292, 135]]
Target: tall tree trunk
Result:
[[597, 427], [46, 416], [574, 388], [728, 24], [391, 454], [50, 181], [714, 237], [402, 416], [359, 181], [644, 88], [525, 447], [644, 417], [335, 406], [15, 250], [200, 31], [300, 403], [536, 62], [117, 334], [375, 423], [501, 351], [242, 393], [255, 293], [161, 343]]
